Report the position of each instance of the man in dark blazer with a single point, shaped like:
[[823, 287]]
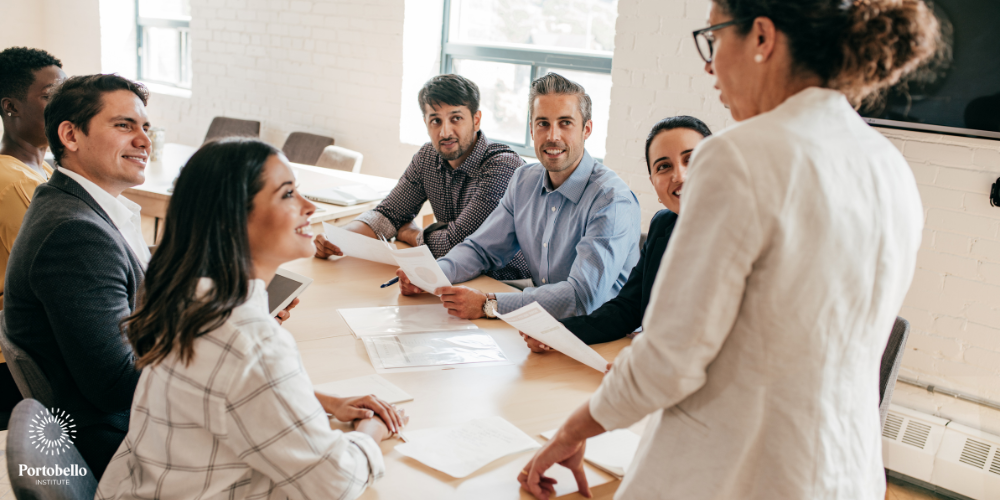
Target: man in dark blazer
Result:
[[78, 261]]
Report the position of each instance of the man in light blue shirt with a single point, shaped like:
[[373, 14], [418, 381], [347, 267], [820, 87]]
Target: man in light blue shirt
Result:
[[575, 221]]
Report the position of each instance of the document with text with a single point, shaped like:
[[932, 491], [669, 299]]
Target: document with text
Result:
[[463, 449], [421, 267], [537, 323], [357, 245], [367, 321]]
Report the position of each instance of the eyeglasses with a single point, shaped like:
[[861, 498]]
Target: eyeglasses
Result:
[[704, 39]]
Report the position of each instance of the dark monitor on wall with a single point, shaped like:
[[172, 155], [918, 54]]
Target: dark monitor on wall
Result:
[[957, 93]]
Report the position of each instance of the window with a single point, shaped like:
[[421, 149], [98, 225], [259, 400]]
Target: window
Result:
[[163, 37], [503, 45]]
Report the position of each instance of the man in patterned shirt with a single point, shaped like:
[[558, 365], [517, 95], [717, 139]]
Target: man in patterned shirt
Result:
[[460, 171], [574, 220]]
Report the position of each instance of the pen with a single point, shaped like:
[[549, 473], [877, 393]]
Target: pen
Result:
[[390, 282]]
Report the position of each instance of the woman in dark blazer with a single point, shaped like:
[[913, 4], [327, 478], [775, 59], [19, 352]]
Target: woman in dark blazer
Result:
[[668, 151]]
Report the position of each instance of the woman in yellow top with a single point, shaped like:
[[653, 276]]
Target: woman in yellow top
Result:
[[27, 77]]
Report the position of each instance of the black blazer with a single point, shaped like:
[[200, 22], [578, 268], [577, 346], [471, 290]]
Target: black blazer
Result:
[[71, 279], [622, 315]]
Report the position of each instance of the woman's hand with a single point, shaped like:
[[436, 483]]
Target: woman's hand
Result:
[[285, 313], [364, 407], [560, 450], [325, 249], [535, 345], [405, 286]]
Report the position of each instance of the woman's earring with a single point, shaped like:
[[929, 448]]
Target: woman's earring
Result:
[[8, 114], [759, 58], [658, 200]]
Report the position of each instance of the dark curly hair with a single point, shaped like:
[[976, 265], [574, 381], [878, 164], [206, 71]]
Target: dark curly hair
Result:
[[453, 90], [858, 47], [17, 70]]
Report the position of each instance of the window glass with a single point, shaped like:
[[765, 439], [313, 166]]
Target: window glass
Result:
[[587, 25], [598, 86], [162, 60], [503, 90], [165, 9]]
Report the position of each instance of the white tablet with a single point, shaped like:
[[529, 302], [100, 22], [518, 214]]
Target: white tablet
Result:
[[283, 289]]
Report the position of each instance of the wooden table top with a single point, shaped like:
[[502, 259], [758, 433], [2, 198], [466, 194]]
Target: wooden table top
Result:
[[536, 392]]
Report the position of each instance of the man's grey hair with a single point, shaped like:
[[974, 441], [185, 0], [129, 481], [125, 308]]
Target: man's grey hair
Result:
[[554, 83]]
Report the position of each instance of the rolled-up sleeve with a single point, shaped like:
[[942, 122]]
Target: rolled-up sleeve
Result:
[[401, 205], [610, 240], [697, 293]]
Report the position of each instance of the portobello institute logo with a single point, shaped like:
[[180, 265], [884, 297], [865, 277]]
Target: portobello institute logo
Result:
[[52, 431]]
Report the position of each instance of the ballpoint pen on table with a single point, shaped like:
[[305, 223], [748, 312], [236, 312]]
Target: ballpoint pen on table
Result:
[[390, 282]]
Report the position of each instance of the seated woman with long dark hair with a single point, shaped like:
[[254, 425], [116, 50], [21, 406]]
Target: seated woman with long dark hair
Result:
[[224, 408], [668, 150]]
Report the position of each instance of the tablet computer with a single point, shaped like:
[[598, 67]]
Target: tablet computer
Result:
[[283, 289]]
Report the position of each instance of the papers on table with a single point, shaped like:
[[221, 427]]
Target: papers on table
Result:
[[418, 262], [463, 449], [432, 349], [611, 452], [363, 386], [537, 323], [358, 246], [367, 321]]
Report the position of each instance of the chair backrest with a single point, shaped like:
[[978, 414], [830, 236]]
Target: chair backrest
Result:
[[891, 358], [339, 158], [30, 379], [28, 419], [232, 127], [305, 148], [642, 239]]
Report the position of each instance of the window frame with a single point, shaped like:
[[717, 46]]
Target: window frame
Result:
[[536, 58], [184, 32]]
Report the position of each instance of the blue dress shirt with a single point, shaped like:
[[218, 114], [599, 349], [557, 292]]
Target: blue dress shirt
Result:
[[581, 241]]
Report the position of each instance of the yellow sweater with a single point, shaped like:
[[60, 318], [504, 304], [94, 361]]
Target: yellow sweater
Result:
[[17, 185]]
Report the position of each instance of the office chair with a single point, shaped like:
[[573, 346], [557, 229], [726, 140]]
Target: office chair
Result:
[[890, 364], [231, 127], [22, 448], [339, 158], [27, 375], [301, 147]]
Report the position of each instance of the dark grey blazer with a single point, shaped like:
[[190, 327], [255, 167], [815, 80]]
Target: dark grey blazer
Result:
[[71, 279]]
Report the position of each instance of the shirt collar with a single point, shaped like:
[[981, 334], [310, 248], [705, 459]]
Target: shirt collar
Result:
[[474, 161], [574, 187], [120, 209]]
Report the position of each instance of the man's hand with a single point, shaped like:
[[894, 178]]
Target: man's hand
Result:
[[405, 286], [535, 345], [558, 450], [348, 409], [325, 249], [462, 301], [284, 314], [408, 233]]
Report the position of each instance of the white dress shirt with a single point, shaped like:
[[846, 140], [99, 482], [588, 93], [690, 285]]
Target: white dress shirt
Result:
[[796, 245], [123, 212], [239, 421]]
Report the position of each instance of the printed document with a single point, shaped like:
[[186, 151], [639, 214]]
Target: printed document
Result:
[[366, 321], [611, 452], [420, 267], [363, 386], [538, 324], [357, 245], [433, 349], [463, 449]]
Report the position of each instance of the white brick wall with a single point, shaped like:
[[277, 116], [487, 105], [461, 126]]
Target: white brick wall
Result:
[[954, 302], [331, 67]]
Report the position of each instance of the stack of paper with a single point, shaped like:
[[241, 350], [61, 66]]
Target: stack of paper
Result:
[[461, 450], [537, 323], [611, 452], [367, 321], [418, 263], [363, 386]]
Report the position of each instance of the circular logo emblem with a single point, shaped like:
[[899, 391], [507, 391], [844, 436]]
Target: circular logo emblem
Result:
[[52, 431]]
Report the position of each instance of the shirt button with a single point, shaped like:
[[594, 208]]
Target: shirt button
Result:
[[544, 245], [553, 209], [543, 280]]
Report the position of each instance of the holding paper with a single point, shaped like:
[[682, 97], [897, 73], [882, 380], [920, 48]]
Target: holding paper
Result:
[[537, 323], [358, 246]]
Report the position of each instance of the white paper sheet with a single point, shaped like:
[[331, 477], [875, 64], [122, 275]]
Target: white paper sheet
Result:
[[365, 321], [420, 267], [611, 452], [432, 349], [357, 245], [463, 449], [363, 386], [537, 323]]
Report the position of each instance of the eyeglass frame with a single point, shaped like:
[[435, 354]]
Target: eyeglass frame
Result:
[[711, 41]]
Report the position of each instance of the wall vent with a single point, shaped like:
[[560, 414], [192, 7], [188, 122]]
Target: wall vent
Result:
[[967, 463], [909, 441], [916, 434], [995, 468], [893, 423], [974, 453]]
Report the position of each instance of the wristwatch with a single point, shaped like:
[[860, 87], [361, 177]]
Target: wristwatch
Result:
[[490, 306]]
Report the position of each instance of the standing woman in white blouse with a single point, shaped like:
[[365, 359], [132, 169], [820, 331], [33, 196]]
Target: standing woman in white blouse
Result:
[[797, 244], [224, 408]]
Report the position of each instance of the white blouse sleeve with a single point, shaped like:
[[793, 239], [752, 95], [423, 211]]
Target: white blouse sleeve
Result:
[[697, 294]]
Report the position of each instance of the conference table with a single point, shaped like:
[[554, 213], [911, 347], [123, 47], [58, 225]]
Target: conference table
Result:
[[536, 392]]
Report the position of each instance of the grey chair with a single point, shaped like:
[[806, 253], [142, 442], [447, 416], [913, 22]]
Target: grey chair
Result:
[[231, 127], [891, 358], [23, 448], [339, 158], [642, 239], [305, 148], [30, 379]]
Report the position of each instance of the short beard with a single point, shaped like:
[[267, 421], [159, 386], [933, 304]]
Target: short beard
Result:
[[460, 152]]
